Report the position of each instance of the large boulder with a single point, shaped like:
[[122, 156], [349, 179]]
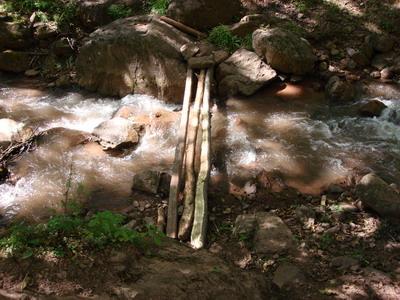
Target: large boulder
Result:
[[134, 55], [204, 14], [14, 61], [284, 50], [379, 196], [117, 133], [14, 36], [243, 73], [94, 13]]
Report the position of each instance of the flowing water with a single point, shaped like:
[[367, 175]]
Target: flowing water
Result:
[[292, 130]]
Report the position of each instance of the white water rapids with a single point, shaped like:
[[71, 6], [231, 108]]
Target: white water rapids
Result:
[[312, 146]]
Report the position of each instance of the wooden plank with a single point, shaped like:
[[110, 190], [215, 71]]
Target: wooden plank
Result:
[[184, 28], [190, 178], [199, 229], [172, 218]]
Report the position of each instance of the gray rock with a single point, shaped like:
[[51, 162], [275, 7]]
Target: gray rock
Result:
[[376, 194], [288, 276], [245, 225], [284, 51], [14, 61], [134, 55], [272, 235], [243, 73], [220, 56], [189, 50], [44, 31], [372, 108], [340, 90], [205, 14], [202, 62], [14, 35], [116, 133], [303, 213]]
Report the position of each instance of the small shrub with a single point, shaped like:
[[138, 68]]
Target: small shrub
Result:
[[159, 7], [69, 235], [118, 11], [221, 37]]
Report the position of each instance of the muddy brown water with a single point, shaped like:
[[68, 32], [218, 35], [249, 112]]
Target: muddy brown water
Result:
[[286, 128]]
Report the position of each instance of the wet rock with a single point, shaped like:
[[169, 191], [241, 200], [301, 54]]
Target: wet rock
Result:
[[205, 14], [152, 182], [284, 51], [380, 42], [243, 73], [14, 61], [245, 225], [9, 129], [202, 62], [372, 108], [14, 35], [117, 133], [380, 61], [373, 89], [340, 90], [377, 195], [149, 59], [45, 31], [288, 276], [344, 262], [272, 235]]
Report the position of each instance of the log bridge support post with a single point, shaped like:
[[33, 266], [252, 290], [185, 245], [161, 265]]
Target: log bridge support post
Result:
[[194, 121]]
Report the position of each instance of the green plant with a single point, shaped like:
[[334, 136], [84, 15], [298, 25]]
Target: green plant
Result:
[[326, 241], [222, 37], [157, 6], [61, 11], [118, 11], [66, 235]]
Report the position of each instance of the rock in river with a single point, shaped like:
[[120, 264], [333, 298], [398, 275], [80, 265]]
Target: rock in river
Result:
[[243, 73]]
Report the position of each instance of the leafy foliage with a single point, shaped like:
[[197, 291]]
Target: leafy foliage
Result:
[[223, 38], [71, 234], [61, 11], [157, 6], [118, 11]]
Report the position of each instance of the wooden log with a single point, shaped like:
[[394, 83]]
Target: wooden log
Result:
[[190, 178], [184, 28], [199, 229], [172, 218]]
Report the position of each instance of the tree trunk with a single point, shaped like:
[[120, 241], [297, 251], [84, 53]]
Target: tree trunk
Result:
[[189, 191], [172, 219], [199, 229]]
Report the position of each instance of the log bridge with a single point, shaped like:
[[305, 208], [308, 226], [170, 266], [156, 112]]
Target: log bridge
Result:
[[190, 178]]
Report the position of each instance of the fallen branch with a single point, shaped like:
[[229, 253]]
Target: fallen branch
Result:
[[199, 229], [183, 27], [172, 219], [190, 182]]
